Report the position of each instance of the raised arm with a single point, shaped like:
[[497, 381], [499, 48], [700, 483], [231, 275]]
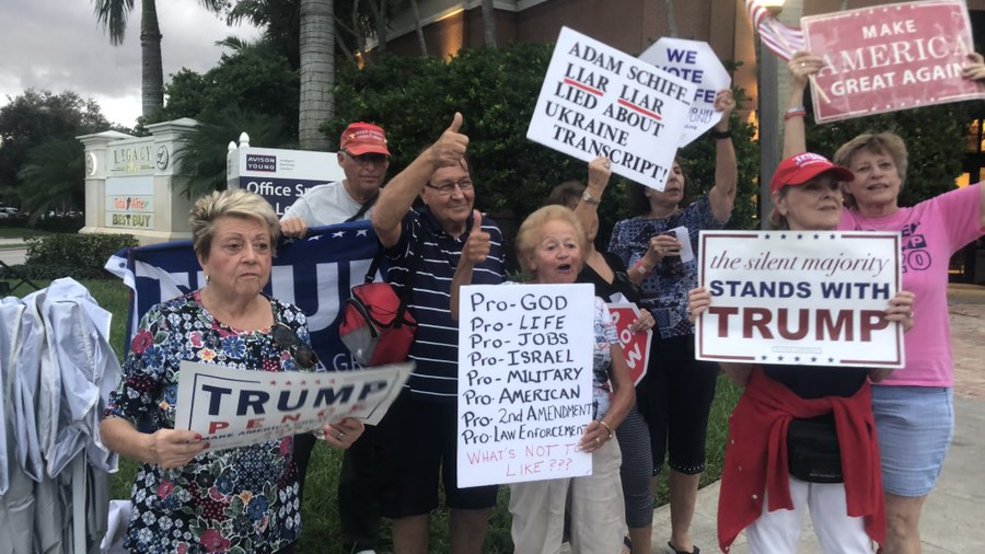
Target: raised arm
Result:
[[974, 68], [475, 251], [398, 195], [802, 65], [722, 194], [599, 171]]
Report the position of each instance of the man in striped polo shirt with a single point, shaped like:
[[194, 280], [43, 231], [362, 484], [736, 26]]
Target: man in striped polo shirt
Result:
[[423, 247]]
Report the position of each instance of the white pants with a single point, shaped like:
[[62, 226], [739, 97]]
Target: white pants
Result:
[[598, 512], [778, 532]]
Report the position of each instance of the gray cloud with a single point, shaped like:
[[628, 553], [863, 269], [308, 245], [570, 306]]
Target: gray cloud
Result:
[[58, 45]]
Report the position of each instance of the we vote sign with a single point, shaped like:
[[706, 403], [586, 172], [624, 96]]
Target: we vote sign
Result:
[[799, 298], [598, 101], [696, 62], [525, 382], [890, 57]]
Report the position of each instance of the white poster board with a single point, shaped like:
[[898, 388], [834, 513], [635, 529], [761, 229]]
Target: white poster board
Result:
[[234, 407], [694, 61], [800, 297], [524, 383], [598, 101]]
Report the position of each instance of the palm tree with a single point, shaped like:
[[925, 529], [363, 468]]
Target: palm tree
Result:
[[489, 23], [113, 15], [317, 102], [671, 18]]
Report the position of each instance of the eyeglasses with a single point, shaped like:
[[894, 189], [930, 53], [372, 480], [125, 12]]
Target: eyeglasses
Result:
[[367, 159], [448, 188], [287, 339]]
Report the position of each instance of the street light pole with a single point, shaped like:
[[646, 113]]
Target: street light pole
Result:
[[770, 143], [770, 133]]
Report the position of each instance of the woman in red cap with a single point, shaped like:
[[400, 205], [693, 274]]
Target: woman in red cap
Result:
[[914, 409], [803, 439]]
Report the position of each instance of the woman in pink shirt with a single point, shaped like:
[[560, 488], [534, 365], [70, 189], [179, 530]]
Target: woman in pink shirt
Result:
[[913, 406]]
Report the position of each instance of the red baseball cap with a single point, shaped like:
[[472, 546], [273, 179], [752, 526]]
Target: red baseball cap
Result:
[[798, 170], [364, 138]]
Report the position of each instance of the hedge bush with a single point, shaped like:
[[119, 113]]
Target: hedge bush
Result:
[[80, 256], [496, 91]]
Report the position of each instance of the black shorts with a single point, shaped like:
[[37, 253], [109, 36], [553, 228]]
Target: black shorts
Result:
[[675, 398], [423, 439]]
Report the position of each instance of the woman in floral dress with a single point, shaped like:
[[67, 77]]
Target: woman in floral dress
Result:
[[186, 498]]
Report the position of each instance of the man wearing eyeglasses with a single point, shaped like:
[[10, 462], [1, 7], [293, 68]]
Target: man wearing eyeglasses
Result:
[[421, 426], [364, 157]]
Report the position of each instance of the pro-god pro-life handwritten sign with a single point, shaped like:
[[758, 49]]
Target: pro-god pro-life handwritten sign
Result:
[[890, 57], [524, 382], [598, 101], [235, 407], [799, 297]]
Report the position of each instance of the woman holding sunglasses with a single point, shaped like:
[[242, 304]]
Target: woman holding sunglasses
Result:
[[187, 498]]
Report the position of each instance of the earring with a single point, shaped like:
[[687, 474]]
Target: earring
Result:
[[207, 278]]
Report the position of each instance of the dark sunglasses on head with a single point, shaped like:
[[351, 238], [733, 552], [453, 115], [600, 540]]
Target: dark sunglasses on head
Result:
[[286, 338]]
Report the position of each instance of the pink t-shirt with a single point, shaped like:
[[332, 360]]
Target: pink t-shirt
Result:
[[932, 232]]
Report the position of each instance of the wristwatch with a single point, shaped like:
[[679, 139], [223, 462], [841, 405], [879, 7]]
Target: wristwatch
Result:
[[589, 199]]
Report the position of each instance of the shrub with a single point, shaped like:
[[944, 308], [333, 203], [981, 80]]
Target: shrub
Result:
[[496, 91], [78, 256]]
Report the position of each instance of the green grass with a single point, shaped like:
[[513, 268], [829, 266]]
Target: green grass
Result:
[[319, 511], [20, 233]]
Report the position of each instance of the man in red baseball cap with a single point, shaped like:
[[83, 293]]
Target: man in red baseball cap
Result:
[[364, 157]]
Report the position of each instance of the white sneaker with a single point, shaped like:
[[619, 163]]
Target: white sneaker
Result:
[[366, 552]]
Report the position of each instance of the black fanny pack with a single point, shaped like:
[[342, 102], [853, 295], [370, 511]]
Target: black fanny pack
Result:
[[813, 453]]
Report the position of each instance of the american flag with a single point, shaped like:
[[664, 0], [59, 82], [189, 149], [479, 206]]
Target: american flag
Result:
[[779, 38]]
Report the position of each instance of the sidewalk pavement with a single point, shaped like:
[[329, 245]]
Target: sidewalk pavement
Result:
[[952, 517]]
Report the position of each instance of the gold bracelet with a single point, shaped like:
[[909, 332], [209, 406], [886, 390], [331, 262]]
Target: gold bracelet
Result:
[[607, 428]]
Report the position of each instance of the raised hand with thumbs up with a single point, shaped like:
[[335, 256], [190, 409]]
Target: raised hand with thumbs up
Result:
[[399, 194], [477, 246], [451, 145]]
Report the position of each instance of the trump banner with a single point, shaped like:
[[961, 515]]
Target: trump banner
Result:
[[233, 407], [315, 274], [890, 57], [525, 390], [598, 101], [799, 298]]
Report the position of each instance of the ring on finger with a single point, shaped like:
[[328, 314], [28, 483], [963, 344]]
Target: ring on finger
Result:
[[339, 436]]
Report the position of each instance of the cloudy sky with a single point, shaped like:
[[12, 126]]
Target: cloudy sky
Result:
[[58, 45]]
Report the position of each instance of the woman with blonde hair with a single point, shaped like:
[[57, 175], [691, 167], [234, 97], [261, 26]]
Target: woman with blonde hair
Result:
[[549, 245], [187, 498]]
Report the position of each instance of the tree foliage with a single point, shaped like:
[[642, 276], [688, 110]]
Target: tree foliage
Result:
[[255, 78], [496, 90], [934, 136], [37, 117], [52, 177]]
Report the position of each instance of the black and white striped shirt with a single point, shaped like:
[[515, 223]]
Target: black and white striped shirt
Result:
[[435, 348]]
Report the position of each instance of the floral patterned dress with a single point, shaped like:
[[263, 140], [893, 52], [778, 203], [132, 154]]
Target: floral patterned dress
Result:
[[237, 500]]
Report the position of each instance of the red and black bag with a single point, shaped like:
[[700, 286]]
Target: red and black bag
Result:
[[376, 326]]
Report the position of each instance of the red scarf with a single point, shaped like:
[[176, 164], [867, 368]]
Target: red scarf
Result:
[[756, 455]]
